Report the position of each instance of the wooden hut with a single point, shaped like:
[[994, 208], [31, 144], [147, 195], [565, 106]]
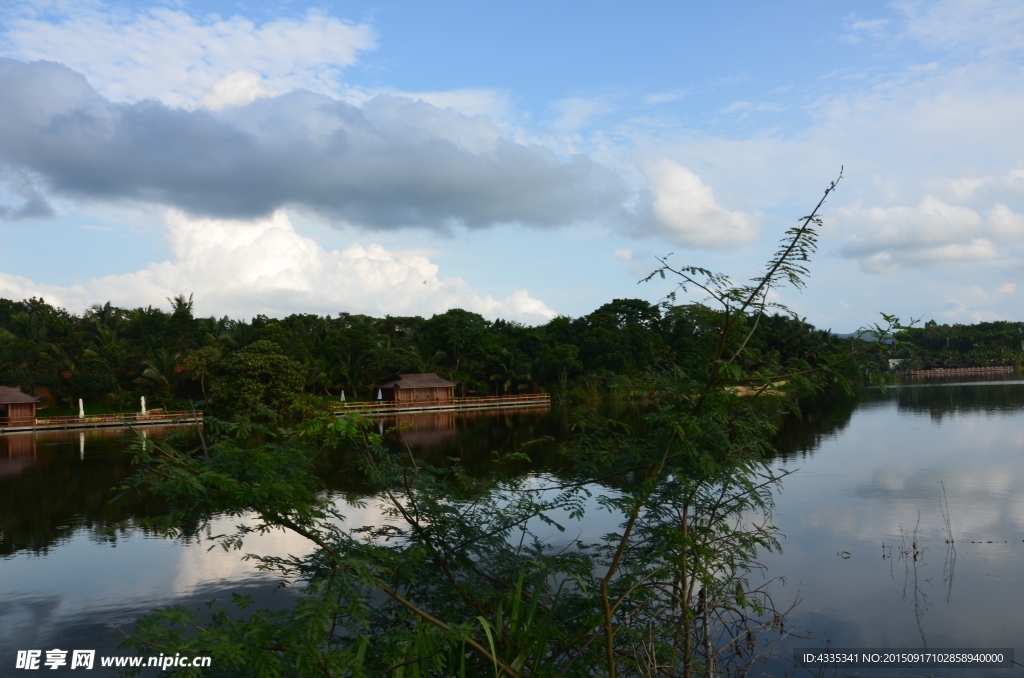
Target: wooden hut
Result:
[[16, 408], [407, 389]]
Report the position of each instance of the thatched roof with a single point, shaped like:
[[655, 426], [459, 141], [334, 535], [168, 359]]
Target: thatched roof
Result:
[[429, 380], [9, 394]]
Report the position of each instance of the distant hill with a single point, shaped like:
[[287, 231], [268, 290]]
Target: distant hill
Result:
[[866, 336]]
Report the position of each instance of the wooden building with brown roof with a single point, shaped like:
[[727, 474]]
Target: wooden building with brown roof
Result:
[[416, 388], [17, 408]]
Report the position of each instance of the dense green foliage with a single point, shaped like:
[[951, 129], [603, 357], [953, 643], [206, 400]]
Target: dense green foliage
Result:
[[985, 344], [113, 356]]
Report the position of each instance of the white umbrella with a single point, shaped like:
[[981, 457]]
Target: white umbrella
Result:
[[143, 404], [380, 394], [81, 408], [342, 395]]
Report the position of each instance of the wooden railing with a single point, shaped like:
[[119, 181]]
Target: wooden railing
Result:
[[16, 421], [484, 401], [939, 371], [101, 419]]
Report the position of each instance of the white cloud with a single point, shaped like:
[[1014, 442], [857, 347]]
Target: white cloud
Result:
[[1016, 179], [976, 304], [490, 103], [576, 112], [665, 97], [990, 26], [242, 268], [639, 263], [872, 25], [737, 107], [925, 257], [172, 56], [966, 187], [686, 211], [859, 29], [237, 89], [745, 107], [976, 189], [935, 233]]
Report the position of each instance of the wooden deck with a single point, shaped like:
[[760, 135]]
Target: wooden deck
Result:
[[383, 408], [152, 418]]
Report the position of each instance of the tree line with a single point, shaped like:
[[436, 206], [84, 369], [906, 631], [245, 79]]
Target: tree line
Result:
[[984, 344], [110, 356]]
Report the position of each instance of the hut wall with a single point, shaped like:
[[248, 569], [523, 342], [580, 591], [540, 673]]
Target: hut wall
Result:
[[20, 414], [17, 414], [412, 395]]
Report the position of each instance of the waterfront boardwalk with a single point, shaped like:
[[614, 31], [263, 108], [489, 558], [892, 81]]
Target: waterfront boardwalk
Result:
[[380, 408], [943, 371], [133, 419]]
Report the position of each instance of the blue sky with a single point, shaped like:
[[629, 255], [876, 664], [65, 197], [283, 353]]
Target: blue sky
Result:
[[515, 159]]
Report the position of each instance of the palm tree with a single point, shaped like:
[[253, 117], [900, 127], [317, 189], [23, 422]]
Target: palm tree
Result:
[[67, 366], [222, 333], [105, 316], [181, 304], [514, 368], [30, 327], [316, 374], [434, 363], [28, 346], [162, 373]]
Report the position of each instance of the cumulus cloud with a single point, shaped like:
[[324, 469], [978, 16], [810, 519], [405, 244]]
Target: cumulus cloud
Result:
[[934, 233], [390, 163], [685, 210], [242, 268], [174, 57]]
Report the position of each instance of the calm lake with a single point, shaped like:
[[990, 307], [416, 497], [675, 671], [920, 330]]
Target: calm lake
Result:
[[868, 482]]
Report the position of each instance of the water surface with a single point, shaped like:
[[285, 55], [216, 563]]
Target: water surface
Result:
[[879, 483], [866, 486]]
